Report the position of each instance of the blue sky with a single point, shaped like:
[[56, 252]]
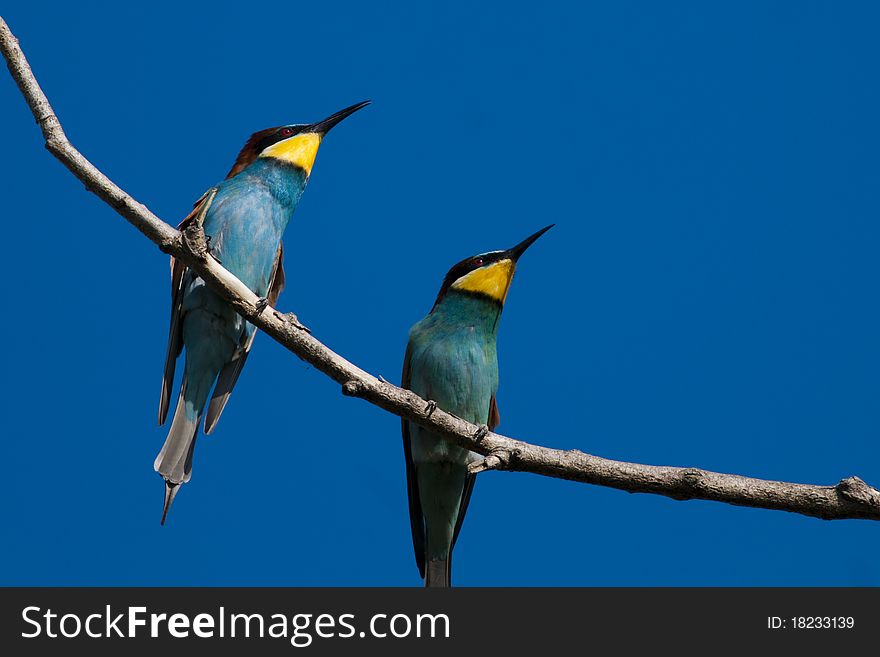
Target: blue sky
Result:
[[708, 297]]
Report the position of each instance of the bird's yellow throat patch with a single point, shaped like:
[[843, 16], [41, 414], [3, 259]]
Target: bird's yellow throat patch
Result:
[[492, 280], [299, 150]]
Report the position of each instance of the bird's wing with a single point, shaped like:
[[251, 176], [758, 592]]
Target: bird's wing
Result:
[[229, 374], [416, 519], [276, 285], [175, 338], [493, 421], [494, 416]]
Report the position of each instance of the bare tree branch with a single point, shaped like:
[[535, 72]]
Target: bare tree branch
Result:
[[850, 498]]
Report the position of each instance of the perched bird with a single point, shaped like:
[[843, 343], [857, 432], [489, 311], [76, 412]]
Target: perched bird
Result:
[[451, 360], [244, 218]]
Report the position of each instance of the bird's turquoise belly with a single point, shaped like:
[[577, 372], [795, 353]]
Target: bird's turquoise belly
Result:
[[431, 448], [459, 373]]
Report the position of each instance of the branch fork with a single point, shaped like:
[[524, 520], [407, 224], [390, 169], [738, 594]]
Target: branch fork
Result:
[[498, 459]]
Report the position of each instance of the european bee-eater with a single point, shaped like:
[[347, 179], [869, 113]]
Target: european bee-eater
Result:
[[451, 360], [244, 218]]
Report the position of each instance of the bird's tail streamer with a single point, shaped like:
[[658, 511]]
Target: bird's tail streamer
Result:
[[438, 573]]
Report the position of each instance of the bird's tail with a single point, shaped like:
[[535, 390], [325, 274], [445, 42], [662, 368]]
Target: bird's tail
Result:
[[174, 461], [444, 487], [208, 349], [438, 573]]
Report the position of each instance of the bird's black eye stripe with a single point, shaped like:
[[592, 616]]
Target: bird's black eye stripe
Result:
[[466, 267], [277, 135], [469, 265]]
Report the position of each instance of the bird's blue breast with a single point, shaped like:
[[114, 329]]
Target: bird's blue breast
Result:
[[248, 218], [454, 362], [244, 225]]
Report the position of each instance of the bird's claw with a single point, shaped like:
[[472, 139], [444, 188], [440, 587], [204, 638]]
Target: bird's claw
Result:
[[430, 407], [481, 432], [210, 251], [261, 304]]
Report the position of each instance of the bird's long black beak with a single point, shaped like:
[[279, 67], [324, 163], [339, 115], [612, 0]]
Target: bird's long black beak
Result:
[[520, 248], [323, 127]]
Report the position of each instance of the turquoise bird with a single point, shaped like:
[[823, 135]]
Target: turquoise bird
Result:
[[244, 218], [451, 360]]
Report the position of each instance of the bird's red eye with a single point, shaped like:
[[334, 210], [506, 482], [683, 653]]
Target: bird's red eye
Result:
[[286, 132], [478, 262]]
